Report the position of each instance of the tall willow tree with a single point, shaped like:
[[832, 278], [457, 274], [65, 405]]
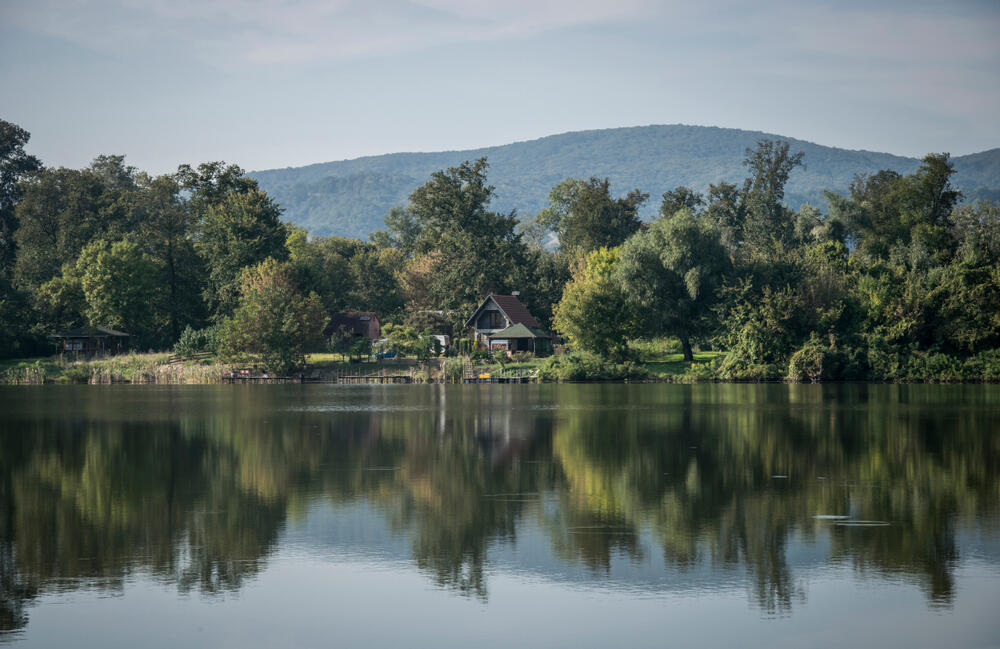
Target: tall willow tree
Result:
[[669, 275]]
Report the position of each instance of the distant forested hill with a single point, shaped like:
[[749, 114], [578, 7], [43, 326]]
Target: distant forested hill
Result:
[[350, 197]]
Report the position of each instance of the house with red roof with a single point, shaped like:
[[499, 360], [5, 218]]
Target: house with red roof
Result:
[[502, 322]]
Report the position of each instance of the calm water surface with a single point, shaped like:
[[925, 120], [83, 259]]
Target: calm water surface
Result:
[[496, 516]]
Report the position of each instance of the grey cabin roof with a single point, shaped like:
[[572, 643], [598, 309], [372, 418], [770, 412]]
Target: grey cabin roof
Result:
[[90, 332]]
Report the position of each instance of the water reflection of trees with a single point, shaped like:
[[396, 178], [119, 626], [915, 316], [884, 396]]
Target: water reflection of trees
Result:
[[197, 494]]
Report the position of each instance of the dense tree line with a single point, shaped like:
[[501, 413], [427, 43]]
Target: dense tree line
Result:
[[200, 250], [898, 279]]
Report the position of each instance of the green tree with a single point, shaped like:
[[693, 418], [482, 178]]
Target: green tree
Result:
[[273, 321], [402, 231], [241, 230], [670, 274], [61, 301], [119, 284], [475, 250], [768, 228], [166, 230], [593, 312], [887, 211], [15, 164], [681, 198], [585, 216], [550, 271], [725, 209], [61, 211], [210, 183]]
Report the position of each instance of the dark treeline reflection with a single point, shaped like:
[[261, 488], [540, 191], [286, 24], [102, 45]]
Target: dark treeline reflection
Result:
[[195, 485]]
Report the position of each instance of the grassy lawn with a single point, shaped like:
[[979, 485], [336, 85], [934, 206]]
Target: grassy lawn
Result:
[[674, 364]]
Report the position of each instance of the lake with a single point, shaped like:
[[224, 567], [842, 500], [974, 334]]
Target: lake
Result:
[[599, 515]]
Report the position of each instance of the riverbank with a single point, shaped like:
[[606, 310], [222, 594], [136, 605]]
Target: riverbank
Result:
[[163, 368], [665, 367]]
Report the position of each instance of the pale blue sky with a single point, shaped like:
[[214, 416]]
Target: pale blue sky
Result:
[[269, 83]]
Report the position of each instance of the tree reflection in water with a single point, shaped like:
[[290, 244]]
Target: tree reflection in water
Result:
[[194, 486]]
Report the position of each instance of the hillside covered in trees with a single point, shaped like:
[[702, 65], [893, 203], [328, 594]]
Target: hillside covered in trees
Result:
[[351, 197]]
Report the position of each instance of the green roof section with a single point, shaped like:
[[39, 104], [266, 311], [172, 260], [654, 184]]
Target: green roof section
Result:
[[519, 331], [89, 332]]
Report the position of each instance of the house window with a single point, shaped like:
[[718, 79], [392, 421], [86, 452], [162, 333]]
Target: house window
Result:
[[492, 320]]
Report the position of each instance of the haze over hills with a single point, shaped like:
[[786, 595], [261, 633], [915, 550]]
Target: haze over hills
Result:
[[351, 197]]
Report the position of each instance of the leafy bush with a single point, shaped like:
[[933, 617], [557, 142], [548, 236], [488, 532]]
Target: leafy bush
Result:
[[984, 366], [500, 357], [578, 366], [700, 372], [934, 367], [453, 369], [818, 361], [197, 341], [481, 355]]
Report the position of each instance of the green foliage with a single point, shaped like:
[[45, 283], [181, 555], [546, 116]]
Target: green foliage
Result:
[[62, 210], [816, 361], [768, 228], [500, 357], [461, 249], [273, 321], [670, 275], [407, 341], [119, 283], [242, 230], [347, 274], [454, 369], [760, 332], [197, 341], [984, 366], [593, 312], [577, 366], [360, 347], [585, 216], [15, 164]]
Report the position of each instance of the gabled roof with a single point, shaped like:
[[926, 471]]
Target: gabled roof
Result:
[[511, 307], [519, 331], [89, 332]]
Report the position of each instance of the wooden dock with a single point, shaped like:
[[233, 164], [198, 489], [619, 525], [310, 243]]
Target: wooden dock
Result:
[[241, 377], [375, 379]]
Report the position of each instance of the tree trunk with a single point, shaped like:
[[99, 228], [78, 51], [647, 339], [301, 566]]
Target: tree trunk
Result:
[[686, 346]]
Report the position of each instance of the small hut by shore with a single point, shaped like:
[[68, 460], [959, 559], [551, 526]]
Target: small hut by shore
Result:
[[92, 341]]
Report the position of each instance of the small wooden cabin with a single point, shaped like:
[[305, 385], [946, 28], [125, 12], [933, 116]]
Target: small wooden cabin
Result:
[[92, 341], [502, 321], [360, 324]]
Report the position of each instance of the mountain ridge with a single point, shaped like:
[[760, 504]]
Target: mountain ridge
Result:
[[350, 197]]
